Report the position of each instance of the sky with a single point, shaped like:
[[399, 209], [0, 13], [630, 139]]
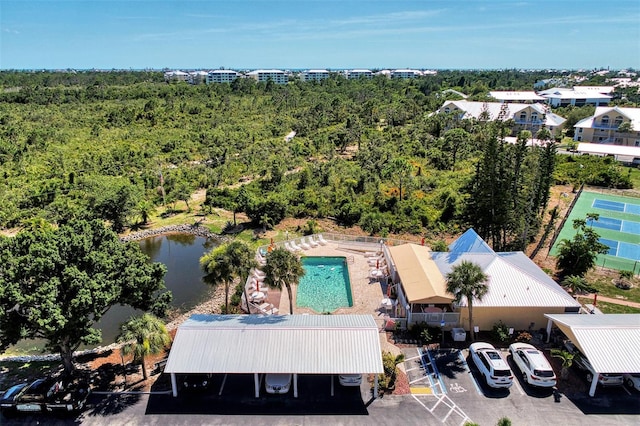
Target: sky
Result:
[[319, 34]]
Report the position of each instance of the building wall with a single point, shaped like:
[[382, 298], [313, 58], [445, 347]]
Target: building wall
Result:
[[520, 318]]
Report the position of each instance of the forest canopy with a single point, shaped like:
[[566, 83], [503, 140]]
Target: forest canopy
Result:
[[109, 145]]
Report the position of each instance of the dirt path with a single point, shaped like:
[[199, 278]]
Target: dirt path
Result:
[[611, 300]]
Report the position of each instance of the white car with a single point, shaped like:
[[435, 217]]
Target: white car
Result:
[[632, 380], [582, 362], [533, 365], [491, 364], [350, 379], [277, 383]]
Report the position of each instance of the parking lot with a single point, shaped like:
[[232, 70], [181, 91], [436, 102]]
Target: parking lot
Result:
[[466, 398], [458, 386]]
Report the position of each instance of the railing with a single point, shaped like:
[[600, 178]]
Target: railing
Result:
[[451, 319], [354, 241]]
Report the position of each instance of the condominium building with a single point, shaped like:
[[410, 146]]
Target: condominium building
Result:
[[356, 74], [610, 125], [176, 76], [222, 76], [576, 96], [405, 74], [314, 75], [277, 76], [530, 117]]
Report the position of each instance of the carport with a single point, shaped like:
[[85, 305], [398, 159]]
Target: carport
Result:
[[288, 344], [610, 342]]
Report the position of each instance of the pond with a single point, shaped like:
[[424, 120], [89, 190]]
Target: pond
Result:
[[181, 254]]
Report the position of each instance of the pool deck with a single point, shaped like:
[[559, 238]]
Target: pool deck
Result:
[[366, 293]]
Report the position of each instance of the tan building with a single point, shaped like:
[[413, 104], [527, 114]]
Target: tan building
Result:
[[610, 126], [520, 293]]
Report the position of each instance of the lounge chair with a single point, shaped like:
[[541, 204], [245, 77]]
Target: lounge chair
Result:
[[321, 240], [268, 308], [376, 261], [259, 273], [294, 246], [311, 242], [304, 244]]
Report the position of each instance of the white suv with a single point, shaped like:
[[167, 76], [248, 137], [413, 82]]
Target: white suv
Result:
[[277, 383], [493, 367], [534, 366]]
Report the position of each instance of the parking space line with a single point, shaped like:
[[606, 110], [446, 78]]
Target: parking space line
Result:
[[473, 379]]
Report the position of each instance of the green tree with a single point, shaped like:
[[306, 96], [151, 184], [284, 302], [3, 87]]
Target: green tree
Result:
[[143, 336], [283, 269], [398, 169], [227, 262], [567, 360], [578, 255], [577, 285], [55, 284], [466, 280]]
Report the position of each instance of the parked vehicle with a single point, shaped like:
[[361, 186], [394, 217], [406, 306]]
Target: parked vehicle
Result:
[[46, 394], [350, 379], [8, 400], [533, 365], [277, 383], [582, 362], [196, 382], [632, 380], [67, 396], [29, 398], [492, 366]]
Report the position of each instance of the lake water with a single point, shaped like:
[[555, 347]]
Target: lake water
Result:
[[181, 254]]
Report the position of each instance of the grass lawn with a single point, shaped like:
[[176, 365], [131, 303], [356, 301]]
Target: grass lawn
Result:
[[635, 177], [606, 288], [611, 308]]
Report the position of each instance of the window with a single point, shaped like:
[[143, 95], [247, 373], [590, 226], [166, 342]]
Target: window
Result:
[[534, 116], [447, 110], [605, 120], [523, 116], [618, 121]]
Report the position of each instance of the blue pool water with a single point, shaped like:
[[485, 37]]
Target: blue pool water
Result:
[[325, 285]]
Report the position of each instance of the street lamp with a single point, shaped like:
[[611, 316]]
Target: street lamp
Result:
[[442, 330]]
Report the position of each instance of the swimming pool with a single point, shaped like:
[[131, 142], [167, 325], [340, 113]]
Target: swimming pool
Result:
[[325, 285]]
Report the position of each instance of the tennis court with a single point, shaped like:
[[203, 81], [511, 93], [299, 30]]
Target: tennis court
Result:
[[618, 226], [620, 249], [616, 206]]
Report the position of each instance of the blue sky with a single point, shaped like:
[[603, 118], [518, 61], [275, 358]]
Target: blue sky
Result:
[[332, 34]]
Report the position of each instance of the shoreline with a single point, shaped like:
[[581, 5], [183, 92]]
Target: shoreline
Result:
[[212, 304]]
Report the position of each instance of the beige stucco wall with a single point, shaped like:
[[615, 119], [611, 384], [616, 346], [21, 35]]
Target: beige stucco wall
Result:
[[519, 318]]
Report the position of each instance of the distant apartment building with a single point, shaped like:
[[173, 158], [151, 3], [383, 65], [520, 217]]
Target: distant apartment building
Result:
[[222, 76], [314, 75], [176, 76], [577, 96], [356, 74], [531, 117], [610, 125], [277, 76], [197, 77], [405, 74]]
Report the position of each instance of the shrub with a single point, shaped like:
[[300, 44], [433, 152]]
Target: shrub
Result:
[[524, 336], [500, 331], [626, 274]]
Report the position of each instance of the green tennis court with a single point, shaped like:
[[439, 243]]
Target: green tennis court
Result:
[[618, 226]]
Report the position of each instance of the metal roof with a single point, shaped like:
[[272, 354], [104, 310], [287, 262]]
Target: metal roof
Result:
[[303, 344], [421, 280], [609, 341]]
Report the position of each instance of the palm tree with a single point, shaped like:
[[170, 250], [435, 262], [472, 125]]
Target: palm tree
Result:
[[467, 280], [227, 262], [142, 336], [577, 285], [567, 360], [283, 269]]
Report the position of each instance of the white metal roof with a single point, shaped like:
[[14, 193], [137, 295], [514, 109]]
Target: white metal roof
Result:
[[516, 96], [513, 280], [609, 341], [303, 344], [598, 148]]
